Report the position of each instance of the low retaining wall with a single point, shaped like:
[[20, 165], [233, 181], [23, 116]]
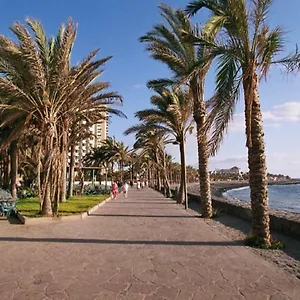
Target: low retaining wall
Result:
[[41, 220], [280, 221]]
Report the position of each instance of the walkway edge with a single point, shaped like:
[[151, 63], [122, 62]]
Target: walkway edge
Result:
[[32, 221]]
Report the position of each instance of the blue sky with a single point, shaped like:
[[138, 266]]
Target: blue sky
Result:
[[114, 26]]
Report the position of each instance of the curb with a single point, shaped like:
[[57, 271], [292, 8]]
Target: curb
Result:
[[32, 221]]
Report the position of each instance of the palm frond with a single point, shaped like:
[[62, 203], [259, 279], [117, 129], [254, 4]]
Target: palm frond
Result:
[[221, 107]]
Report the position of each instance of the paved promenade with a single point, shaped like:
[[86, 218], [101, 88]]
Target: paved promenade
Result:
[[140, 248]]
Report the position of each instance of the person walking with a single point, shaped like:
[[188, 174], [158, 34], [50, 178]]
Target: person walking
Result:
[[114, 190], [138, 185], [143, 184], [125, 188]]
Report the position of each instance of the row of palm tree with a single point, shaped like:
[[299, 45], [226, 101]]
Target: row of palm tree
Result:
[[145, 161], [108, 155], [171, 116], [43, 96], [237, 38]]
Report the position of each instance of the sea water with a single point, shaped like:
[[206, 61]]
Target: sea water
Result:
[[281, 197]]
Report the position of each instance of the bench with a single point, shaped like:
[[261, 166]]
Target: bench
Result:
[[8, 207]]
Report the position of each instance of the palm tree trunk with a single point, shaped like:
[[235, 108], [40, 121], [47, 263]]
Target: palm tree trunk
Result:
[[149, 176], [47, 166], [112, 172], [122, 172], [13, 168], [6, 176], [71, 172], [184, 198], [205, 192], [56, 181], [81, 181], [64, 161], [106, 171], [167, 187], [258, 180], [131, 172], [158, 181], [167, 190], [39, 173], [200, 116]]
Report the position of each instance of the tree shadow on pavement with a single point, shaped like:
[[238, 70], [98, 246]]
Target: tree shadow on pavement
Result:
[[142, 202], [120, 242], [292, 246], [144, 216]]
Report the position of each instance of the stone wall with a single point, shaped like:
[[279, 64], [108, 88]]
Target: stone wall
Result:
[[280, 221]]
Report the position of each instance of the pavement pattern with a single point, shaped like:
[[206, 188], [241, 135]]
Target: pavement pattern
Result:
[[143, 247]]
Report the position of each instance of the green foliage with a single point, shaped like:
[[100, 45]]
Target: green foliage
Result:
[[26, 192], [245, 48], [216, 213], [30, 207], [251, 241]]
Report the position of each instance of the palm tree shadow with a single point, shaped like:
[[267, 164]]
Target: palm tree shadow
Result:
[[120, 242], [144, 216]]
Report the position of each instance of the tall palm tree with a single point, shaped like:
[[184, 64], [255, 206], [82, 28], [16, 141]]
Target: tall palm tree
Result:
[[167, 45], [245, 53], [38, 81], [172, 113]]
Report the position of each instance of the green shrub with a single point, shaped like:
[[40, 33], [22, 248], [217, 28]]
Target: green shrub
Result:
[[251, 241]]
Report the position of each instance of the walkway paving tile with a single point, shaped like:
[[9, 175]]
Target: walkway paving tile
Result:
[[143, 247]]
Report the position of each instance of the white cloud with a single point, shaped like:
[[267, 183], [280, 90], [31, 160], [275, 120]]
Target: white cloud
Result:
[[287, 112], [273, 125], [241, 161], [228, 162], [238, 123], [139, 86], [284, 113]]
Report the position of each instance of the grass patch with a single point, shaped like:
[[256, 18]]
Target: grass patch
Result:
[[29, 207], [252, 242]]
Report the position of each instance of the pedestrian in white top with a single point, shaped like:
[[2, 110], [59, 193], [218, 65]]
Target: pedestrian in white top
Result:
[[138, 185], [125, 189]]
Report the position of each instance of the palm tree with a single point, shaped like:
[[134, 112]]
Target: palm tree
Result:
[[245, 53], [172, 113], [38, 82], [97, 158], [11, 128], [152, 140], [109, 146], [80, 130], [167, 45], [122, 156]]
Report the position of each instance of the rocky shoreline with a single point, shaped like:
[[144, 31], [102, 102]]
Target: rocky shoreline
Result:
[[220, 187]]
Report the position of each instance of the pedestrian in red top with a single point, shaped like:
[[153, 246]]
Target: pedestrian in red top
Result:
[[114, 189]]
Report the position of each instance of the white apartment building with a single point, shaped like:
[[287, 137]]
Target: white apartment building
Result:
[[99, 133]]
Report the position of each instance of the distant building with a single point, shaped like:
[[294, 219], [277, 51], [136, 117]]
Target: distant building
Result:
[[99, 133], [231, 171]]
